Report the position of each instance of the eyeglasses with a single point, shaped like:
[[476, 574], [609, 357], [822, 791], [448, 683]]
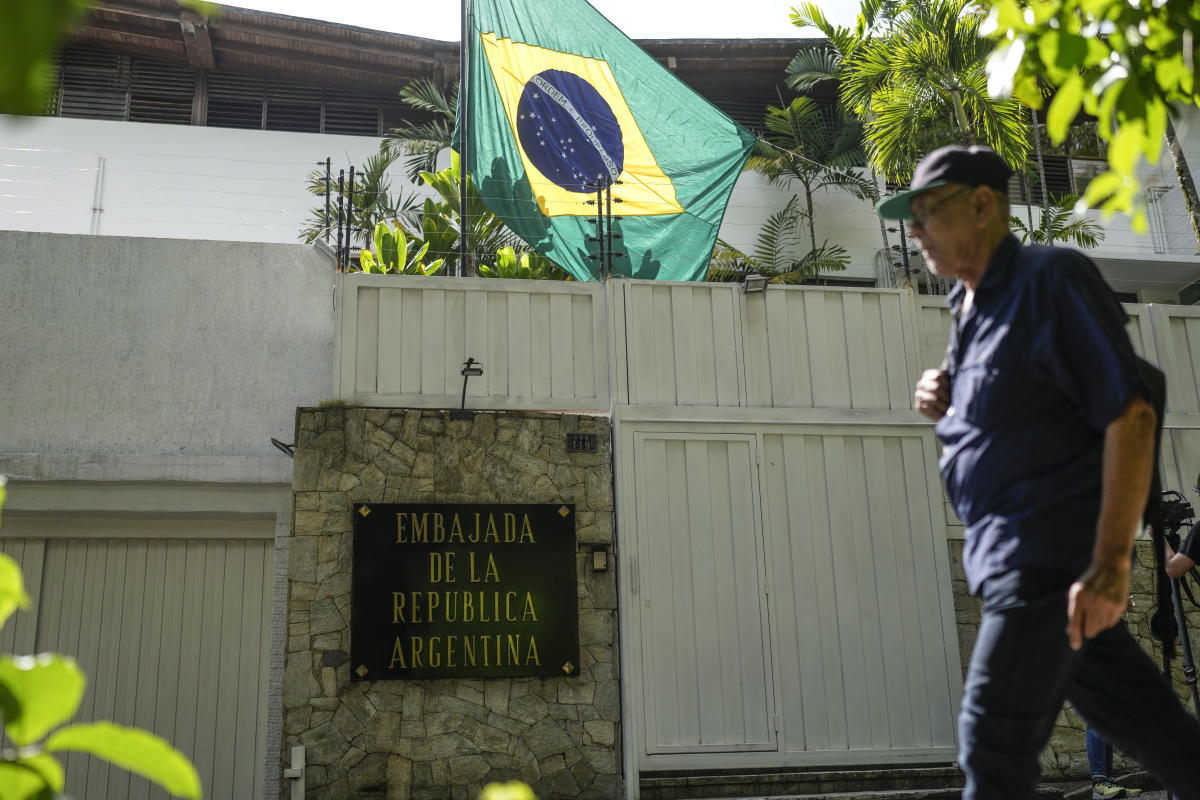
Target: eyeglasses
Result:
[[922, 221]]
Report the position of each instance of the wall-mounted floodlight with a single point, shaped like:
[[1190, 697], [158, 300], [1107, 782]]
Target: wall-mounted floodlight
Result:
[[754, 283], [288, 450], [470, 369]]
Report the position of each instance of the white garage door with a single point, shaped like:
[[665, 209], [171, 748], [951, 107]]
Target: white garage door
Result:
[[170, 621]]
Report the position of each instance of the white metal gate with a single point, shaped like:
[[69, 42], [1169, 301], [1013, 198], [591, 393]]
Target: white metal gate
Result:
[[170, 622], [789, 598]]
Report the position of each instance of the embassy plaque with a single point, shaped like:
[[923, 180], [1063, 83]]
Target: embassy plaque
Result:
[[463, 590]]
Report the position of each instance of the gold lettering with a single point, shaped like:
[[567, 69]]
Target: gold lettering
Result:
[[450, 642], [474, 536], [417, 645], [529, 613], [514, 645], [441, 567], [483, 617], [414, 598], [439, 529], [510, 528], [432, 601], [490, 572], [435, 655], [401, 534], [526, 532], [421, 528], [398, 655], [531, 655], [451, 607], [456, 533], [497, 638], [491, 534], [495, 606], [469, 651], [468, 614], [397, 607], [508, 613]]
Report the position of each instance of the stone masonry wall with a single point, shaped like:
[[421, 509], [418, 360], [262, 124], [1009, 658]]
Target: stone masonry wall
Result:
[[1066, 754], [435, 739]]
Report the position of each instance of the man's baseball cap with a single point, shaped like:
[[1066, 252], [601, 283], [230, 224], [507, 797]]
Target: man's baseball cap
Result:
[[975, 166]]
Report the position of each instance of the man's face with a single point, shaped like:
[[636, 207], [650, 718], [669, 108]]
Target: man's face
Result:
[[944, 225]]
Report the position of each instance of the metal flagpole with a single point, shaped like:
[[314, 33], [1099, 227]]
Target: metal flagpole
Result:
[[464, 128]]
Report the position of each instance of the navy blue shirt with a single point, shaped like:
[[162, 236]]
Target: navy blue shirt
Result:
[[1039, 365]]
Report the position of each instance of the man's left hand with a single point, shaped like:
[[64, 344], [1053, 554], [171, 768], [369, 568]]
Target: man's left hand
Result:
[[1096, 602]]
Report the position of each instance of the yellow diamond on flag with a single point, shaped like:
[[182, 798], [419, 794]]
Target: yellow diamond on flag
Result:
[[574, 131]]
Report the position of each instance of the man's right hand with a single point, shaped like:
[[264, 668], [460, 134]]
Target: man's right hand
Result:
[[932, 396]]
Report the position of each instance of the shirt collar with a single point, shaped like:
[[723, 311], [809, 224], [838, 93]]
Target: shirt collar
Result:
[[998, 270]]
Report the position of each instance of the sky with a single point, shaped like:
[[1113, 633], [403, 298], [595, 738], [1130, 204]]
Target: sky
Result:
[[639, 19]]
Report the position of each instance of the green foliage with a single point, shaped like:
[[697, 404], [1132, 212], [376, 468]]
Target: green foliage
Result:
[[529, 265], [1124, 63], [441, 221], [29, 36], [774, 253], [38, 694], [422, 142], [914, 74], [1060, 224], [370, 202], [391, 254]]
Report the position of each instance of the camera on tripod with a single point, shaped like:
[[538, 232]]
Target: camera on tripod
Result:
[[1176, 512]]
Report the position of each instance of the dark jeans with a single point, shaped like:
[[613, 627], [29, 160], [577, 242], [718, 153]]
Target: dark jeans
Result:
[[1099, 755], [1021, 671]]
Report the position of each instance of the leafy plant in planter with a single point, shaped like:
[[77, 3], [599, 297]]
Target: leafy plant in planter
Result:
[[391, 254], [40, 693], [530, 265]]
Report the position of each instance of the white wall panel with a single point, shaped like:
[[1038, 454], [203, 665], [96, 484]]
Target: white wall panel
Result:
[[402, 342], [683, 344], [829, 348]]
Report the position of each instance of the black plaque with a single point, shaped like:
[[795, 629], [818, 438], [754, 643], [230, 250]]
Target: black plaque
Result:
[[461, 590]]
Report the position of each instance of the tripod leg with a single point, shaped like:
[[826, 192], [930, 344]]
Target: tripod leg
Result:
[[1189, 666]]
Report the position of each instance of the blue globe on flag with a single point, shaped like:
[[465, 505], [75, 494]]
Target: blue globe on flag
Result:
[[569, 132]]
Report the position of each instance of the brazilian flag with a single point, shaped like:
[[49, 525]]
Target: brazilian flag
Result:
[[560, 102]]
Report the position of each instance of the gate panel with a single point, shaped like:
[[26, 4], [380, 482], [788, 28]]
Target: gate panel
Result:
[[864, 632], [173, 636], [702, 607]]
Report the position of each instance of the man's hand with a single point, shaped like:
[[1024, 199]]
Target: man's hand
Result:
[[1096, 601], [932, 396]]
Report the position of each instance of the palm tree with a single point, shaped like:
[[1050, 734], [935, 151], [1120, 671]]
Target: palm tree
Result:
[[1184, 175], [813, 66], [422, 141], [774, 253], [921, 83], [806, 145], [1059, 224]]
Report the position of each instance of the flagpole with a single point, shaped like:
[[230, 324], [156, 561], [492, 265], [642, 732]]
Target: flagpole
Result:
[[464, 138]]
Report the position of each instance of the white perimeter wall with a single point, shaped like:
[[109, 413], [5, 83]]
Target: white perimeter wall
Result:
[[218, 183], [194, 351]]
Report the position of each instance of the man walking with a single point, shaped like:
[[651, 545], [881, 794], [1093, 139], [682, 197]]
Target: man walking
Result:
[[1048, 444]]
